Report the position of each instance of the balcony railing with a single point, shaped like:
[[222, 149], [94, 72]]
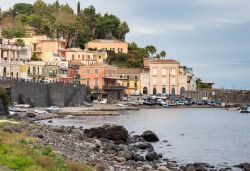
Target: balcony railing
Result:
[[9, 47], [114, 88]]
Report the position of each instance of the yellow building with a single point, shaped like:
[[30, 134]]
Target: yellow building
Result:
[[130, 78], [108, 45], [43, 47]]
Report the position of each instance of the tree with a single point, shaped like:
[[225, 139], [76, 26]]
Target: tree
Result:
[[163, 54], [13, 32], [122, 30], [22, 8], [151, 50], [19, 42], [78, 8], [40, 7]]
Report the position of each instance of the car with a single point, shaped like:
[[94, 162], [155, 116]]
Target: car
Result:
[[158, 94], [161, 102], [41, 112], [164, 94], [53, 109], [211, 103]]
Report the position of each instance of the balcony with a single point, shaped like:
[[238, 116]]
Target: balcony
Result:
[[114, 88], [10, 47], [37, 50]]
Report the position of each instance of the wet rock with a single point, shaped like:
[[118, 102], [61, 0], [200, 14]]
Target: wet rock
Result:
[[144, 146], [151, 156], [138, 157], [111, 132], [150, 136], [128, 155], [30, 115], [246, 167], [50, 121]]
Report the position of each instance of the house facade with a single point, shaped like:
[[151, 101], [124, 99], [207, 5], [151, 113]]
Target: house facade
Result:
[[130, 78], [108, 45]]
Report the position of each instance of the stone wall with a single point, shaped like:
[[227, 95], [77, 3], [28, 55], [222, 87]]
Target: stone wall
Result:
[[42, 94], [227, 96]]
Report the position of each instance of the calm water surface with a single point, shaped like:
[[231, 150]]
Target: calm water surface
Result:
[[215, 136]]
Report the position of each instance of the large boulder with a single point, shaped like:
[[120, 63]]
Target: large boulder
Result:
[[144, 146], [151, 156], [111, 132], [150, 136], [128, 155]]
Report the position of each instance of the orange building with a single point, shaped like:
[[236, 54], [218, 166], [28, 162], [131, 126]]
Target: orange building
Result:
[[108, 45], [102, 79]]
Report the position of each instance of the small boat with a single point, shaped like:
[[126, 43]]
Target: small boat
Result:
[[245, 109]]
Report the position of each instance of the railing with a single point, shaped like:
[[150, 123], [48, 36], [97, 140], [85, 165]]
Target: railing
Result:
[[10, 47], [110, 88]]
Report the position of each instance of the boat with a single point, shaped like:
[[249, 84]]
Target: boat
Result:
[[245, 109]]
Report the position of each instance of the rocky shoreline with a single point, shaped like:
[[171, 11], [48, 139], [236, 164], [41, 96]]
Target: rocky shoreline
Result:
[[109, 148]]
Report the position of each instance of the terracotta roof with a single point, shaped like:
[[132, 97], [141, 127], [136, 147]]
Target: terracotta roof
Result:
[[170, 61], [129, 71], [106, 41]]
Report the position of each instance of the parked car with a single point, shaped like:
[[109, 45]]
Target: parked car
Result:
[[161, 102], [53, 109], [41, 112], [211, 103]]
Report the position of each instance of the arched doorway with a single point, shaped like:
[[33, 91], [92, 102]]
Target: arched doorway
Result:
[[4, 72], [163, 90], [11, 74], [182, 91], [154, 91], [145, 90], [17, 75], [173, 91]]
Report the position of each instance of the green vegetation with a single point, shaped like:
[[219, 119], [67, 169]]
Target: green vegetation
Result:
[[35, 58], [201, 85], [19, 42], [59, 20], [5, 97], [20, 152]]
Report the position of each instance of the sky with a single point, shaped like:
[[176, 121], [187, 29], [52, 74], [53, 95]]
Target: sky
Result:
[[211, 36]]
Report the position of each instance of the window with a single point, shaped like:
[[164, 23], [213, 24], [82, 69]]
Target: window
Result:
[[154, 81], [120, 50], [82, 57], [104, 49], [154, 71], [73, 57], [120, 76], [96, 71], [128, 84], [88, 71], [96, 82], [127, 76], [173, 71], [87, 82], [136, 77], [88, 57], [112, 49], [164, 71], [79, 56], [164, 81], [135, 84]]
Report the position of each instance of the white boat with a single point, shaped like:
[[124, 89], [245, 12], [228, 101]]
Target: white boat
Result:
[[245, 109], [41, 112], [53, 109]]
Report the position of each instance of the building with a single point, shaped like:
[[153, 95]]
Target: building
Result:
[[85, 56], [9, 60], [102, 79], [161, 77], [44, 48], [108, 45], [131, 79]]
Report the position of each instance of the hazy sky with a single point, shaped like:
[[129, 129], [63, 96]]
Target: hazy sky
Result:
[[212, 36]]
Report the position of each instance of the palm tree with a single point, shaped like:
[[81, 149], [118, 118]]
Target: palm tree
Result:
[[151, 50], [163, 54]]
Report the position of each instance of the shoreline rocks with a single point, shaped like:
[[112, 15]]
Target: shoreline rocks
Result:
[[150, 136]]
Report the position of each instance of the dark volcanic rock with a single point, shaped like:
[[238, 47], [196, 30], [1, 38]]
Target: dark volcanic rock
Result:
[[151, 156], [150, 136], [128, 155], [30, 115], [111, 132], [144, 146], [138, 157]]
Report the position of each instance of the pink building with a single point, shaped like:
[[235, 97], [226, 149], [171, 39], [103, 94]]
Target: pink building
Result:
[[102, 77]]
